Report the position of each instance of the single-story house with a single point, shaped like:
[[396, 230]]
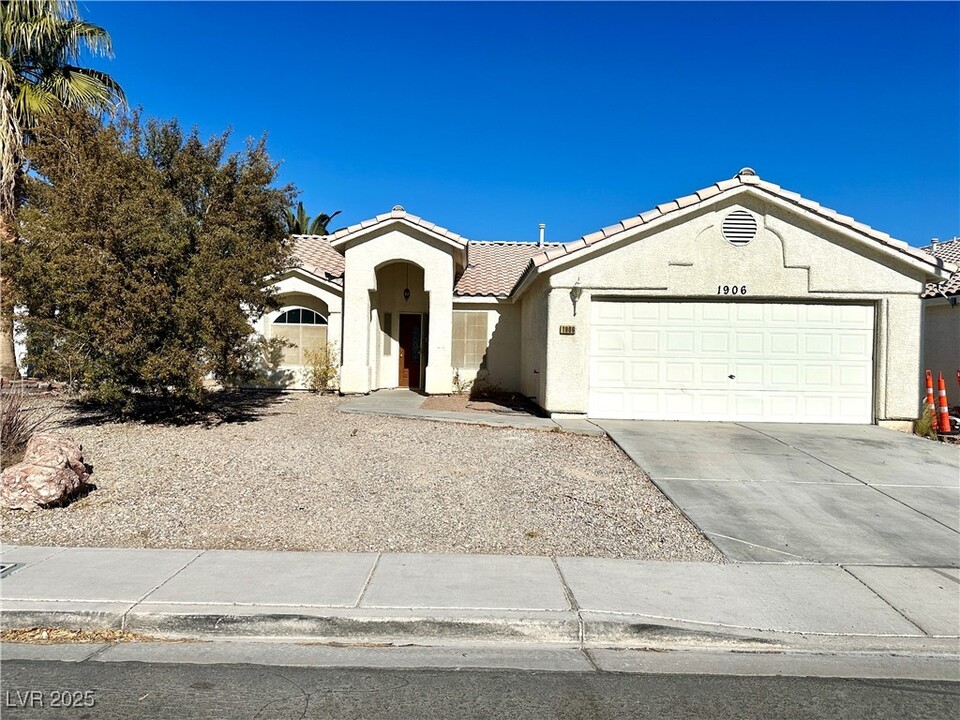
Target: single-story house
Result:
[[941, 321], [741, 302]]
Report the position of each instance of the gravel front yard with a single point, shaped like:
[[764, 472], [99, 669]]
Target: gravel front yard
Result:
[[298, 475]]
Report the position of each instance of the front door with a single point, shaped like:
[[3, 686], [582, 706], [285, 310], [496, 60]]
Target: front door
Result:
[[410, 342]]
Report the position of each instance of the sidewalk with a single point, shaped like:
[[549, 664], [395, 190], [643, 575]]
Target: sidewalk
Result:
[[406, 403], [446, 599]]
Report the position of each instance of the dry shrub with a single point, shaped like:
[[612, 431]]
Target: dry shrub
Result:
[[926, 425], [19, 420], [322, 368]]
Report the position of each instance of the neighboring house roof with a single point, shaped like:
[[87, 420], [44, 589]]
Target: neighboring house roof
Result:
[[493, 268], [745, 178], [317, 256], [948, 251]]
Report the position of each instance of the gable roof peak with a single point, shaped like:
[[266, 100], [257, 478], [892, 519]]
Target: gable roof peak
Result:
[[745, 180], [398, 212]]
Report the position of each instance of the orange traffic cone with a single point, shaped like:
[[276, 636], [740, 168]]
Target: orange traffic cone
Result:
[[944, 410], [930, 406]]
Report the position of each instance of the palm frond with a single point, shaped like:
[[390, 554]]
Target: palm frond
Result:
[[320, 222], [77, 87]]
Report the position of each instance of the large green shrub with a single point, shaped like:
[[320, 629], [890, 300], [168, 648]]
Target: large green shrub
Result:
[[143, 255]]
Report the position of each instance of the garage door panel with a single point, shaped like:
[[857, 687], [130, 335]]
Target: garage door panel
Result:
[[715, 312], [645, 341], [818, 343], [856, 345], [854, 315], [782, 407], [785, 313], [680, 341], [614, 311], [789, 362], [783, 343], [852, 376], [714, 341], [715, 404], [609, 373], [748, 343], [645, 373], [746, 312], [783, 376], [852, 406], [818, 314], [747, 375], [642, 313], [680, 311], [609, 341], [681, 372], [714, 374]]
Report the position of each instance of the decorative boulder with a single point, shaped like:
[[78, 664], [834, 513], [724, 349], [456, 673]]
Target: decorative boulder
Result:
[[51, 471]]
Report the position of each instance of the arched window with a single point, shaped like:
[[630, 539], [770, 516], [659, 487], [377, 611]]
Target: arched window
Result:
[[303, 329], [300, 316]]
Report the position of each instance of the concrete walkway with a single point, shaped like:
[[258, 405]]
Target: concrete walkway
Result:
[[772, 492], [406, 403], [444, 599]]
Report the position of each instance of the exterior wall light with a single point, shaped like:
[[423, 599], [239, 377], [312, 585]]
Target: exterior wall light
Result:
[[406, 293], [575, 292]]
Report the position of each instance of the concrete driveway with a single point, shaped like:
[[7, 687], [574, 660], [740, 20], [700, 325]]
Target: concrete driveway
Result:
[[845, 494]]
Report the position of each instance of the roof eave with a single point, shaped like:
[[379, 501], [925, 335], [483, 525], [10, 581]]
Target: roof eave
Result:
[[309, 275], [371, 226]]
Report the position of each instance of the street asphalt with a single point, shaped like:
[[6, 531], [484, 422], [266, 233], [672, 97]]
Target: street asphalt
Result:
[[120, 691]]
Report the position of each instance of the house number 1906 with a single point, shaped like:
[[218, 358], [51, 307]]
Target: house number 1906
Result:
[[731, 289]]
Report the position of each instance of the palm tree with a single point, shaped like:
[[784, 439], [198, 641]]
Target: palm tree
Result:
[[299, 223], [40, 43]]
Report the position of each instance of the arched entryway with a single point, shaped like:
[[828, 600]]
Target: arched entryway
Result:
[[402, 307]]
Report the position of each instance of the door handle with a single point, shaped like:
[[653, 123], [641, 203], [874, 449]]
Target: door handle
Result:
[[732, 377]]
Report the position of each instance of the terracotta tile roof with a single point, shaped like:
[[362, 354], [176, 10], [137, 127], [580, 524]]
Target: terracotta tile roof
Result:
[[316, 256], [398, 213], [493, 268], [950, 252], [744, 177]]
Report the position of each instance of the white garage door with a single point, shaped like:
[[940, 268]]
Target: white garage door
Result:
[[731, 361]]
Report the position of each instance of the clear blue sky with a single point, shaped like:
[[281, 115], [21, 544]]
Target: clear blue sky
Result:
[[491, 118]]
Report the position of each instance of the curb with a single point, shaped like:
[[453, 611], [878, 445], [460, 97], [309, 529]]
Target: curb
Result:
[[442, 627]]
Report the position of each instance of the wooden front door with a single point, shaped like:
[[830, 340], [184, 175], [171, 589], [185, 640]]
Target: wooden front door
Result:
[[410, 343]]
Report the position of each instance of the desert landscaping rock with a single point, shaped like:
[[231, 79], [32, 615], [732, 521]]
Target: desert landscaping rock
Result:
[[51, 472], [301, 476]]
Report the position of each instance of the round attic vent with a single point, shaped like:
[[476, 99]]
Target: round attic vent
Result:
[[739, 227]]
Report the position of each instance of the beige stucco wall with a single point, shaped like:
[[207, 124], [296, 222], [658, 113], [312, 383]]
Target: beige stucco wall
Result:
[[791, 258], [299, 290], [941, 343], [501, 363], [362, 369], [534, 337]]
